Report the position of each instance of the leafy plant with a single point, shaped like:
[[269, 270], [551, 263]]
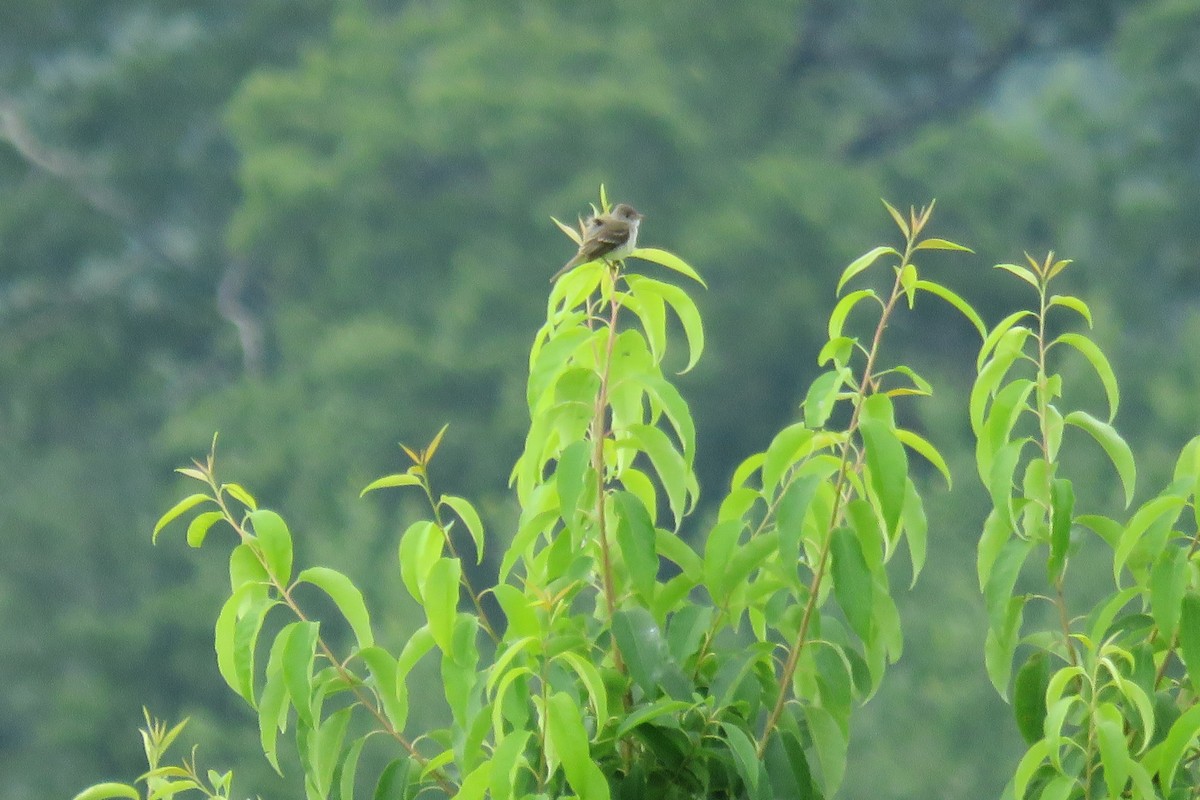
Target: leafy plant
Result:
[[1106, 695], [623, 661]]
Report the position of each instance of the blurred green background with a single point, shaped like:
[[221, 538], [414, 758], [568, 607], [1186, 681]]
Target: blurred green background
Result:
[[322, 228]]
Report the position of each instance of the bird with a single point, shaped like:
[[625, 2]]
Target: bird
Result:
[[610, 236]]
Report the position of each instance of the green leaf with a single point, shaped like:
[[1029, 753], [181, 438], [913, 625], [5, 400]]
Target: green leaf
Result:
[[668, 260], [1168, 584], [470, 517], [350, 769], [1062, 510], [787, 447], [1099, 362], [941, 244], [184, 505], [953, 299], [838, 317], [299, 650], [394, 781], [383, 675], [1003, 579], [420, 548], [719, 547], [672, 470], [592, 681], [441, 601], [550, 360], [235, 635], [1000, 644], [651, 309], [346, 597], [198, 527], [787, 767], [1114, 446], [898, 218], [852, 583], [926, 449], [791, 512], [325, 749], [1073, 303], [997, 333], [1180, 738], [1028, 765], [887, 463], [105, 791], [642, 647], [644, 714], [273, 702], [635, 538], [745, 755], [1114, 754], [863, 262], [475, 785], [684, 308], [822, 397], [240, 494], [388, 481], [1008, 349], [276, 542], [1189, 637], [1024, 274], [837, 350], [830, 743], [916, 530], [508, 759], [567, 743], [1029, 696]]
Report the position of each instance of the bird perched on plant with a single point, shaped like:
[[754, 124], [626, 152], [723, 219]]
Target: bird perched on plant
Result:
[[610, 236]]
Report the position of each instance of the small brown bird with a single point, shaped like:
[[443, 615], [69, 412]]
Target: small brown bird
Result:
[[609, 236]]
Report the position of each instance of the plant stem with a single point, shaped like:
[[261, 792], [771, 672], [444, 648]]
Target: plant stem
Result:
[[352, 682], [866, 387]]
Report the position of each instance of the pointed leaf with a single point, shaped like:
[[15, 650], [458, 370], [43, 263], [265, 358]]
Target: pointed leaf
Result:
[[467, 513], [1114, 446], [1099, 362], [668, 260], [863, 262], [346, 597], [189, 502]]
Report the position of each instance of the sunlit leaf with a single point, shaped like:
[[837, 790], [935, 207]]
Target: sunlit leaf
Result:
[[400, 479], [837, 319], [189, 502], [1114, 447], [276, 542], [346, 597], [863, 262], [953, 299], [668, 260], [1099, 362], [470, 517]]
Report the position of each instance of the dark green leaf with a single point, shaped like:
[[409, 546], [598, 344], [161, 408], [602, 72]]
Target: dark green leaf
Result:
[[852, 584], [1029, 696], [635, 538]]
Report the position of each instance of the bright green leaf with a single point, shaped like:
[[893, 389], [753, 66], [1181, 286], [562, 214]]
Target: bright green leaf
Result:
[[276, 542], [863, 262], [346, 597], [187, 503], [470, 517]]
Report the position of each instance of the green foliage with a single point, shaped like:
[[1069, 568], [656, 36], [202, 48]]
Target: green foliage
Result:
[[623, 660], [1105, 694]]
